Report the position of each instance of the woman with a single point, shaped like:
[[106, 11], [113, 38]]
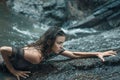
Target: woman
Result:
[[50, 42]]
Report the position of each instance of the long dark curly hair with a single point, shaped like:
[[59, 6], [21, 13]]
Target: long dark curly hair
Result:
[[47, 40]]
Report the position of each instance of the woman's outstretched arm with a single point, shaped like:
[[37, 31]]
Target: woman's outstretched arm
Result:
[[100, 55]]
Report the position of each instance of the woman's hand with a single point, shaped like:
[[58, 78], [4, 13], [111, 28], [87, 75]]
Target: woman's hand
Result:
[[18, 74], [106, 53]]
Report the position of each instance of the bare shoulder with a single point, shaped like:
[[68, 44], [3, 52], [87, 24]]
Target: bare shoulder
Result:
[[33, 55], [32, 50]]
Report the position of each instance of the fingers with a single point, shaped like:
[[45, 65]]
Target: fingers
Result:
[[113, 55], [18, 78], [115, 52], [110, 53], [107, 53], [102, 58], [26, 75], [23, 74], [26, 71]]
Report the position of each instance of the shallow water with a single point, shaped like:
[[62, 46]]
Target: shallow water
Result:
[[17, 30]]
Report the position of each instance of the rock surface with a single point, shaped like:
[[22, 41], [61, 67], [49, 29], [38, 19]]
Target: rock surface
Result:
[[87, 68]]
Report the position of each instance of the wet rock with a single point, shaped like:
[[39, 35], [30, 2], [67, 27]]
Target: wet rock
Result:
[[61, 4], [37, 9], [59, 15], [112, 61], [104, 41], [41, 10], [49, 4]]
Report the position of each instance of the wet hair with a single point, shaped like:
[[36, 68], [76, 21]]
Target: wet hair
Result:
[[47, 40]]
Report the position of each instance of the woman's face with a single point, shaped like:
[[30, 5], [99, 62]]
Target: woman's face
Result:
[[58, 45]]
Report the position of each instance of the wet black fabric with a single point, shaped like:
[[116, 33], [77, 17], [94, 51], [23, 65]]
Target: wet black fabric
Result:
[[17, 59]]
